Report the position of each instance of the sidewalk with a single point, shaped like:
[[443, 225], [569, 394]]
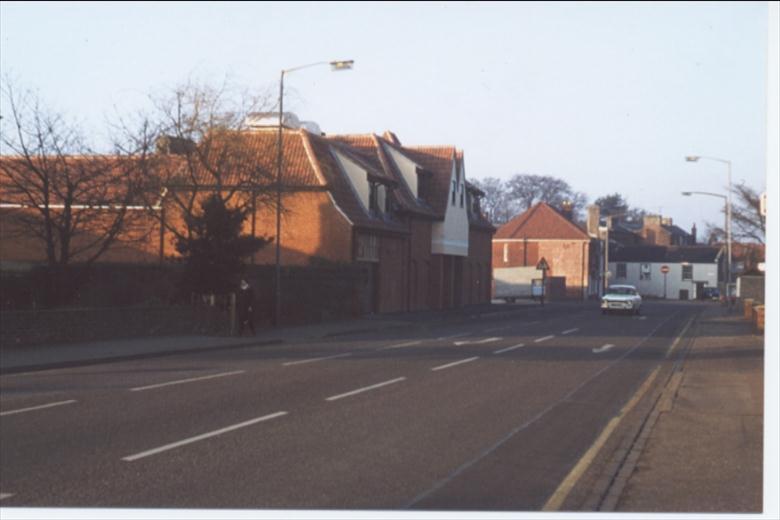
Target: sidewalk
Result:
[[29, 358], [704, 453]]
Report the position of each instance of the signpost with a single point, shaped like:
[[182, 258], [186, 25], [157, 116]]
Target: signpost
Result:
[[543, 267], [665, 270]]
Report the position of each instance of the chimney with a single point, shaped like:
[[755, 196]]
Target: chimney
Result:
[[567, 209], [168, 144], [594, 213], [652, 220], [693, 233], [666, 221]]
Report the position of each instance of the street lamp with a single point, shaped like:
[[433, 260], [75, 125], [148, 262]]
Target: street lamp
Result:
[[728, 236], [606, 229], [695, 158], [334, 66]]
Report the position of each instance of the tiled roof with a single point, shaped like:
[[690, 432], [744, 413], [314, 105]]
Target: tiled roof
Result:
[[541, 221], [341, 189], [370, 147], [438, 162], [671, 254]]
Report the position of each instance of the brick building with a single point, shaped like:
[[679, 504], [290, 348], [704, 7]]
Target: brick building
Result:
[[544, 232], [406, 214]]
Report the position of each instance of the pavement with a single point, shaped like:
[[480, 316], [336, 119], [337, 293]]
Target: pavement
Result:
[[43, 357], [702, 447]]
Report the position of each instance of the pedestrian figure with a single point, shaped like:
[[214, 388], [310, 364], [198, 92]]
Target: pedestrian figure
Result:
[[245, 301]]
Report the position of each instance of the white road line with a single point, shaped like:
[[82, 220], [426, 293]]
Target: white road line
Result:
[[539, 340], [508, 349], [462, 334], [365, 389], [182, 381], [569, 331], [401, 345], [131, 458], [480, 342], [603, 349], [442, 367], [312, 360], [40, 407], [3, 496]]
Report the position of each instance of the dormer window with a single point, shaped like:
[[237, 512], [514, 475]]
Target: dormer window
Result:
[[373, 197], [454, 191], [462, 195]]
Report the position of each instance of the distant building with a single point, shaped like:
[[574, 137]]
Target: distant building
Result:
[[690, 269]]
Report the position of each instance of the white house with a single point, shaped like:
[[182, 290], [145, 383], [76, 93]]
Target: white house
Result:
[[689, 269]]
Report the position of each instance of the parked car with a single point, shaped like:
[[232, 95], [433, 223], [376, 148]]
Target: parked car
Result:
[[621, 298], [711, 293]]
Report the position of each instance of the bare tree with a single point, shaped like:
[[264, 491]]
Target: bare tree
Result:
[[55, 190], [748, 224], [496, 204], [527, 190], [194, 143]]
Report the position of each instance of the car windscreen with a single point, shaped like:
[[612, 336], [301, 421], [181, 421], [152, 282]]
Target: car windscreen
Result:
[[622, 290]]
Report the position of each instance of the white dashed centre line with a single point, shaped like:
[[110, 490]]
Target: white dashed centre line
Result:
[[401, 345], [40, 407], [539, 340], [131, 458], [603, 348], [480, 342], [365, 389], [448, 365], [3, 496], [569, 331], [183, 381], [508, 349], [312, 360]]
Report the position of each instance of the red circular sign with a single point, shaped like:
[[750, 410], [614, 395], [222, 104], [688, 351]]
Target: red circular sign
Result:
[[664, 269]]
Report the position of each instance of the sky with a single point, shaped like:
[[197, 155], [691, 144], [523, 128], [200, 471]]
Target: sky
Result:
[[609, 97]]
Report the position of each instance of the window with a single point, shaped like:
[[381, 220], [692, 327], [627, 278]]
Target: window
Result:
[[373, 198], [644, 271], [462, 195], [454, 191], [506, 253], [687, 272], [621, 270]]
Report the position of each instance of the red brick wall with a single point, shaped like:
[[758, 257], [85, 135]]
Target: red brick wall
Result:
[[566, 258], [419, 277], [392, 274], [477, 271]]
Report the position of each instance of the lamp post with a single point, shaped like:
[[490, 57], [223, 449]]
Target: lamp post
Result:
[[606, 247], [728, 236], [695, 158], [335, 66]]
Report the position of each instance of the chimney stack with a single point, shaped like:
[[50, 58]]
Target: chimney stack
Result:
[[693, 234], [592, 224]]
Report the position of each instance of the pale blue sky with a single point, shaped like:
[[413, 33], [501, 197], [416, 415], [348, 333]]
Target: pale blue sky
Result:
[[609, 97]]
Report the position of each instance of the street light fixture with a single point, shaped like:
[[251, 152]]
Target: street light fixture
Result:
[[695, 158], [334, 66]]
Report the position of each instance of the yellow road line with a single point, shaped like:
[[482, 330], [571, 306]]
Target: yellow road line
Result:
[[559, 496]]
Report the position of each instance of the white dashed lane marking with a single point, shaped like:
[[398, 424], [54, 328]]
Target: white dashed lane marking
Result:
[[131, 458], [477, 342], [365, 389], [545, 338], [508, 349], [448, 365], [401, 345], [3, 496], [39, 407], [183, 381], [569, 331], [603, 348], [312, 360]]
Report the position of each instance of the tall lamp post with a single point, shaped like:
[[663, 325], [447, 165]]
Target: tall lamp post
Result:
[[606, 247], [727, 203], [335, 66], [695, 158]]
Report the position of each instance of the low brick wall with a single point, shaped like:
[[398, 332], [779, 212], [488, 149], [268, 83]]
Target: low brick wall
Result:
[[92, 324]]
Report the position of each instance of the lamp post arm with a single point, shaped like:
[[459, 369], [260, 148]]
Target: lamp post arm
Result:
[[724, 197]]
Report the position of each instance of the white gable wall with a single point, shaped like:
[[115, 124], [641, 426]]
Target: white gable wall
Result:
[[406, 166], [654, 287], [451, 237], [358, 177]]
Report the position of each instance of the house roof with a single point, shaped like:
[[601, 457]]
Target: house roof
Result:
[[541, 222], [438, 162], [369, 146], [671, 254]]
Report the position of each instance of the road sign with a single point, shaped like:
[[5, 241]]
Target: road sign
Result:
[[542, 265], [664, 269]]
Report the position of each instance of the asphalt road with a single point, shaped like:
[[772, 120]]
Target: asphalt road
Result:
[[487, 414]]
